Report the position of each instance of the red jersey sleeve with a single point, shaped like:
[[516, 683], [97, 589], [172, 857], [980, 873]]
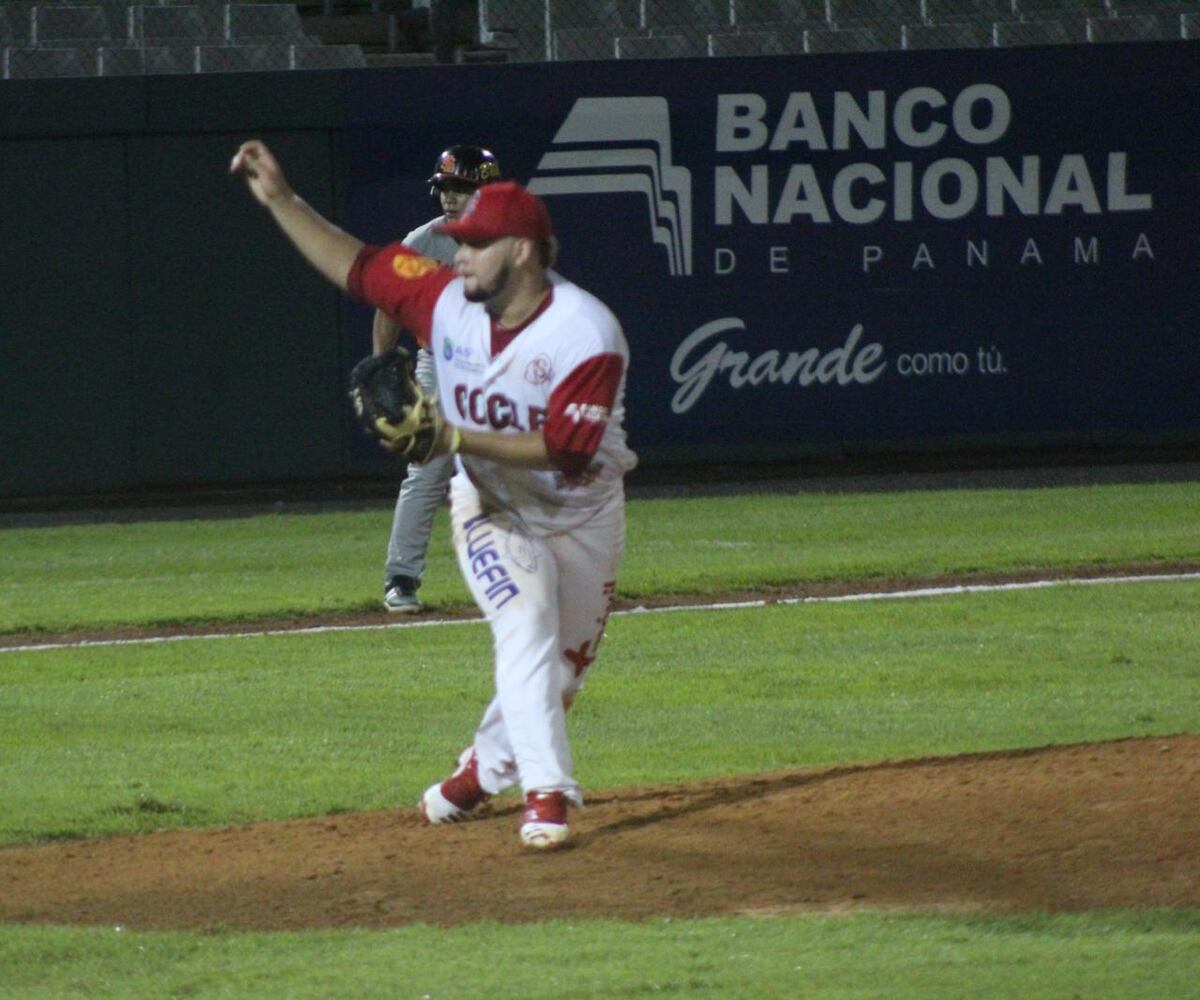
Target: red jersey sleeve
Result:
[[401, 282], [579, 409]]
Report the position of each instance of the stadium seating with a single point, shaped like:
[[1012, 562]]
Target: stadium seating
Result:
[[1135, 28], [858, 12], [744, 13], [262, 20], [569, 14], [655, 47], [163, 25], [961, 35], [26, 63], [1057, 31], [147, 60], [514, 25], [747, 43], [1167, 9], [981, 11], [124, 37], [120, 38], [241, 58], [784, 26], [862, 38], [696, 13], [327, 57], [58, 25], [569, 44], [1049, 10]]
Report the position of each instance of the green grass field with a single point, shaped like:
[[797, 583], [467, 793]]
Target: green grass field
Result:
[[103, 740], [1147, 954], [76, 577]]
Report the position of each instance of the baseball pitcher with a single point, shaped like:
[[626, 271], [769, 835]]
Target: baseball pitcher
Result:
[[531, 383]]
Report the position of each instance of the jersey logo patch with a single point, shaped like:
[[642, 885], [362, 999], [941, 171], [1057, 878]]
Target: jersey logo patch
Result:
[[408, 266], [591, 412], [539, 371]]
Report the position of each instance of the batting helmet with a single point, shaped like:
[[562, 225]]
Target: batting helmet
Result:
[[471, 165]]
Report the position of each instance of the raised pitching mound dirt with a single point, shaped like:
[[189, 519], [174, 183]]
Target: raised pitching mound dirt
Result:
[[1060, 828]]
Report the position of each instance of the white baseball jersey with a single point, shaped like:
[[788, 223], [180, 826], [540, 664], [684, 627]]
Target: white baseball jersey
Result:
[[562, 372]]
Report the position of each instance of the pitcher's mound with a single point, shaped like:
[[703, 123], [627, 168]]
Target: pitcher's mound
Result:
[[1061, 828]]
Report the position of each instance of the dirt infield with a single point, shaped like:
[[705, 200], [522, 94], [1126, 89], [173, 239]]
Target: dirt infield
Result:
[[1060, 828]]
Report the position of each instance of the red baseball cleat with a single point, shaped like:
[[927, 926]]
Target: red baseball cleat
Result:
[[544, 825], [451, 800]]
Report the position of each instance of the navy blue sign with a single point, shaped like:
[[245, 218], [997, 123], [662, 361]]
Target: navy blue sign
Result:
[[820, 251]]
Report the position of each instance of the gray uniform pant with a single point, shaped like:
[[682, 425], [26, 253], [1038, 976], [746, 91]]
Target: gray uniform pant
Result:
[[423, 490]]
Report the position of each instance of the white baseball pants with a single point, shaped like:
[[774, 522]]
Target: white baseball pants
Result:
[[547, 601]]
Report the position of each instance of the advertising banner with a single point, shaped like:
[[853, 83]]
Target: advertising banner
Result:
[[824, 252]]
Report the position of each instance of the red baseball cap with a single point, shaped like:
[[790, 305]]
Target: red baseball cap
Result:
[[503, 208]]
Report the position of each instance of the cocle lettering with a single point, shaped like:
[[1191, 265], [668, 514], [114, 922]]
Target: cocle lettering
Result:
[[496, 410], [486, 566]]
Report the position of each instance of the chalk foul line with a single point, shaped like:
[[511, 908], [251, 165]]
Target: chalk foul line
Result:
[[883, 595]]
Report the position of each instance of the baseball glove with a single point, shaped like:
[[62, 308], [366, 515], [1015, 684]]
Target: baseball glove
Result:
[[391, 406]]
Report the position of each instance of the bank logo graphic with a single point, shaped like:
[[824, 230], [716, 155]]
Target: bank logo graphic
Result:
[[623, 144]]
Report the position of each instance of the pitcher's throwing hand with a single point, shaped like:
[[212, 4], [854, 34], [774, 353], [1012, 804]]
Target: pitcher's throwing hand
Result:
[[262, 172]]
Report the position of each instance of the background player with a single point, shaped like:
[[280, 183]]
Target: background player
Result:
[[531, 376], [458, 173]]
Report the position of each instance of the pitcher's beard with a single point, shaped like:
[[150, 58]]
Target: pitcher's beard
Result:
[[484, 293]]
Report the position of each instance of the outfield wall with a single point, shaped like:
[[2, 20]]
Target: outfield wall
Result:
[[152, 331], [810, 254]]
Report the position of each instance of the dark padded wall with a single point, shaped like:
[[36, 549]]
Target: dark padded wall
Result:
[[134, 352], [65, 421], [259, 358]]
